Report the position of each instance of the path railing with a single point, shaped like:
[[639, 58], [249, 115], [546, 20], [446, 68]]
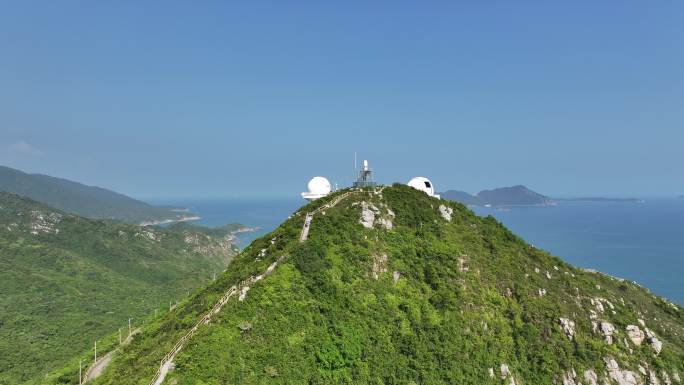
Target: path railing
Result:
[[168, 358], [165, 363]]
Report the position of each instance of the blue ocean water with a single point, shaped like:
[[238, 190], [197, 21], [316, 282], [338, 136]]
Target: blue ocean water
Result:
[[642, 242], [266, 214]]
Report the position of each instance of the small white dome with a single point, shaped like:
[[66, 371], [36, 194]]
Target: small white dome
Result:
[[423, 184], [319, 185], [318, 188]]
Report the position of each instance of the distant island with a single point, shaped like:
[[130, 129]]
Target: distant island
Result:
[[518, 196], [88, 201], [504, 196]]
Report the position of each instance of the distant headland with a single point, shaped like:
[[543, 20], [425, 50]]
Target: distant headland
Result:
[[518, 196]]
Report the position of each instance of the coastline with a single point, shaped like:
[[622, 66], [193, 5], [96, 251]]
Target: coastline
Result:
[[169, 221], [233, 236]]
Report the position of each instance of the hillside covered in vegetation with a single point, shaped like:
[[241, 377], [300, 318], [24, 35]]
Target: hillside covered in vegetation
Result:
[[66, 281], [390, 286], [86, 201]]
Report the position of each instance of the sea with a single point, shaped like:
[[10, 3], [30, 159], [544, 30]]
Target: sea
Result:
[[638, 241]]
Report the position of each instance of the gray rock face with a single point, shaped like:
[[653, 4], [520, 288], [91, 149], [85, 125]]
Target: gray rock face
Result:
[[370, 215], [621, 377], [590, 377], [505, 372], [656, 344], [446, 212], [569, 378], [568, 327], [635, 334], [608, 330], [367, 215]]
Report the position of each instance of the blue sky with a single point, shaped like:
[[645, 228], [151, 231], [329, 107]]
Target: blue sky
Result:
[[223, 98]]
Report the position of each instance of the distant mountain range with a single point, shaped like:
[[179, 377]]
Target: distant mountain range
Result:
[[86, 201], [505, 196]]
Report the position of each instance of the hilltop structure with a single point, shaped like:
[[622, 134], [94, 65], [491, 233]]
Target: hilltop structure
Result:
[[365, 177], [390, 285], [423, 184], [318, 188]]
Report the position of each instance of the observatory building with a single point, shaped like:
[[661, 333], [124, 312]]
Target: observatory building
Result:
[[318, 188], [423, 184], [365, 177]]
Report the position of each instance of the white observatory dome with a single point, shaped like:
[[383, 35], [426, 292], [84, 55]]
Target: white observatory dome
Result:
[[318, 188], [423, 184]]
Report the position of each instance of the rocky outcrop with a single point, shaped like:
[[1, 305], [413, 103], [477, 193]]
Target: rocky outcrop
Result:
[[446, 212], [590, 377], [42, 223], [370, 215], [569, 378], [656, 344], [148, 234], [506, 374], [620, 376], [608, 330], [635, 334], [367, 215], [568, 326]]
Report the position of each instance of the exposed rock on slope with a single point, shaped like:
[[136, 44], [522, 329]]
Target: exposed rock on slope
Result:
[[468, 302]]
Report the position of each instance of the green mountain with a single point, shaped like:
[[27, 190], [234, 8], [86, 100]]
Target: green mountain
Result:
[[79, 199], [390, 286], [66, 281], [503, 196]]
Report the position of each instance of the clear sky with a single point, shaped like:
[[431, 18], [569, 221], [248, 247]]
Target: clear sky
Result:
[[173, 99]]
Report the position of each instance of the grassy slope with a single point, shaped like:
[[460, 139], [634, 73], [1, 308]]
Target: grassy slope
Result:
[[322, 319], [62, 291]]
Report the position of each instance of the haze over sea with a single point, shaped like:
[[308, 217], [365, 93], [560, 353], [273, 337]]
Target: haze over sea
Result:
[[641, 242]]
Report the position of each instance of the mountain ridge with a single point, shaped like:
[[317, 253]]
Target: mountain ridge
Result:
[[80, 199], [67, 281], [392, 286]]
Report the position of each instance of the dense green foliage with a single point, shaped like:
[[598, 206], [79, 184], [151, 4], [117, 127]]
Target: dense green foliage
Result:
[[66, 281], [79, 199], [451, 300]]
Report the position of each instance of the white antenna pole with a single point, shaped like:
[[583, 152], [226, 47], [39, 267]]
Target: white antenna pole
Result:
[[95, 352], [129, 327], [80, 372], [119, 336]]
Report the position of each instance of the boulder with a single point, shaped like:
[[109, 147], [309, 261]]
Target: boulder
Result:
[[635, 334]]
